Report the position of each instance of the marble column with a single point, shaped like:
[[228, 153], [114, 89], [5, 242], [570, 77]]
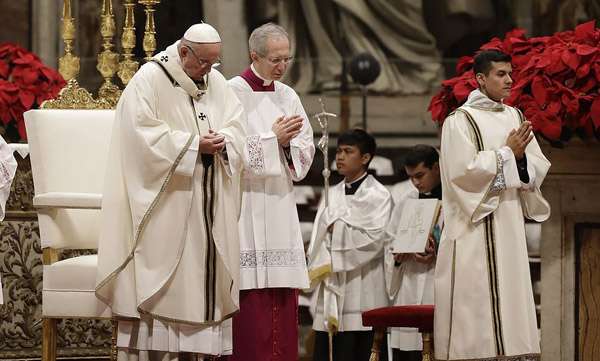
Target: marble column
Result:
[[227, 16], [45, 33]]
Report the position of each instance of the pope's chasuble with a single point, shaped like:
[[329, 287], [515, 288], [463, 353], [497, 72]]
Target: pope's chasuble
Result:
[[169, 250], [346, 265], [484, 307], [271, 247]]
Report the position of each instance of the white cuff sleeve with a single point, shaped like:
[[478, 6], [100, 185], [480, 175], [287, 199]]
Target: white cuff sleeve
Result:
[[301, 162], [188, 162], [262, 155], [509, 168]]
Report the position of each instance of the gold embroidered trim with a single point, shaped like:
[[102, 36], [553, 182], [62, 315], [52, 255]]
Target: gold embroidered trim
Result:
[[490, 247], [319, 273], [524, 357], [186, 322], [487, 109], [493, 283], [451, 297], [144, 220]]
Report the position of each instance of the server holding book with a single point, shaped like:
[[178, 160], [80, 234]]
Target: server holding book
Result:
[[415, 227]]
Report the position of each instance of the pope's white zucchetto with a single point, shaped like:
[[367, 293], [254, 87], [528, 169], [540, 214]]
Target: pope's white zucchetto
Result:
[[202, 33]]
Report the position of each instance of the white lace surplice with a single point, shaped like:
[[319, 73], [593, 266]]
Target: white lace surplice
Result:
[[271, 246]]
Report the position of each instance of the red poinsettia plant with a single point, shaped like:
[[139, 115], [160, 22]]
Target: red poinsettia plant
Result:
[[25, 82], [556, 82]]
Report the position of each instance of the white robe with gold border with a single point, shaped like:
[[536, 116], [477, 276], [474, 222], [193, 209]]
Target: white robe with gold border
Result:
[[168, 252], [483, 296], [347, 265]]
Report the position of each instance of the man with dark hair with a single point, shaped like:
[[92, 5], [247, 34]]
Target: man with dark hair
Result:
[[379, 165], [411, 277], [491, 171], [364, 142], [346, 253], [421, 153], [484, 60]]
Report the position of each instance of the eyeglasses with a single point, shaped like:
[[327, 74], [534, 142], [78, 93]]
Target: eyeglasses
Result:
[[204, 62], [277, 61]]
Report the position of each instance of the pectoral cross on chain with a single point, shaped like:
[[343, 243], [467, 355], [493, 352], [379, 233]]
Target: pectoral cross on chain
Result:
[[202, 116]]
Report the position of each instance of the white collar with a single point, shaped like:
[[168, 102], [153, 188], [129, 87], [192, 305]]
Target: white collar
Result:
[[171, 62], [349, 184], [479, 100], [266, 82]]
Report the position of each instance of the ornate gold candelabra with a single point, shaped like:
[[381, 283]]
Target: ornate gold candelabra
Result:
[[72, 96], [108, 60], [68, 64], [149, 42], [128, 66]]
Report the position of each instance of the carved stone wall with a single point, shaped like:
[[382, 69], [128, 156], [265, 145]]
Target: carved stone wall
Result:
[[21, 269]]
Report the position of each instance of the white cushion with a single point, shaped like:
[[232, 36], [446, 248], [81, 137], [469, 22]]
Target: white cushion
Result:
[[68, 289], [533, 235], [69, 228], [69, 152], [68, 200], [21, 148], [68, 149]]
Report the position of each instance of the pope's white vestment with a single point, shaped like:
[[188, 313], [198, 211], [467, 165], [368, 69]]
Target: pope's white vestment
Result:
[[169, 250], [346, 265], [271, 246], [483, 296], [8, 168]]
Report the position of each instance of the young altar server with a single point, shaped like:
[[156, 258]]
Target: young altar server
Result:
[[411, 277], [346, 253], [491, 169]]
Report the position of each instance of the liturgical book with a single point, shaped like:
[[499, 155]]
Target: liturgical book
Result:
[[418, 218]]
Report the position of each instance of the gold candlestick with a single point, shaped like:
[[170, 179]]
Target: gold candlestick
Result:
[[108, 60], [72, 96], [128, 66], [68, 64], [149, 42]]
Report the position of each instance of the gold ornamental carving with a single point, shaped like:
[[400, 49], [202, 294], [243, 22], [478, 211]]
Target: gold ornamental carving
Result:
[[68, 64], [128, 66], [72, 96], [149, 42], [108, 60]]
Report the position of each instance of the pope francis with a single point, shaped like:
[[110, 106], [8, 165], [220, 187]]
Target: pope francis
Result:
[[168, 257]]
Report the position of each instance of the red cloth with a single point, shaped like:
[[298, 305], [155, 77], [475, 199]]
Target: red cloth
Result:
[[255, 82], [417, 316], [266, 328]]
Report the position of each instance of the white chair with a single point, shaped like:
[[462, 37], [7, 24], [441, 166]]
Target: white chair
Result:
[[68, 152]]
